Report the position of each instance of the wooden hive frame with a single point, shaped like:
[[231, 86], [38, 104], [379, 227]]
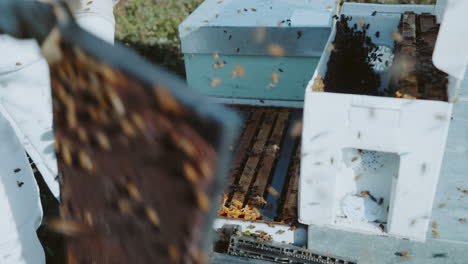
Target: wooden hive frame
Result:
[[142, 158]]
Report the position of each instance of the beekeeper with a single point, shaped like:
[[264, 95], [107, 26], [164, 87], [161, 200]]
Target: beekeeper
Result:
[[26, 127]]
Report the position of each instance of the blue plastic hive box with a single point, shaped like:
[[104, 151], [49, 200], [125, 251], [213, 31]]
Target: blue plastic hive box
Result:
[[241, 32]]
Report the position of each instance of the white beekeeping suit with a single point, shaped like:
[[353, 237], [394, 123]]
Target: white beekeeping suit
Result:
[[26, 124]]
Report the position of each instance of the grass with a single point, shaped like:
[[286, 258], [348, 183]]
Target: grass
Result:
[[152, 22], [150, 27]]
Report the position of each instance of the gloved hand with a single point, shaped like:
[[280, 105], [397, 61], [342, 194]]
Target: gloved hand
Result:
[[26, 19]]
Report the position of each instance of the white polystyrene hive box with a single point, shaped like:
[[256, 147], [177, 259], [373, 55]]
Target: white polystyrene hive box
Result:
[[391, 147]]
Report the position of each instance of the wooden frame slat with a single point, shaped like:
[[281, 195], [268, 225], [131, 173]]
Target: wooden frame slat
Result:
[[270, 157], [245, 143], [251, 165], [289, 210]]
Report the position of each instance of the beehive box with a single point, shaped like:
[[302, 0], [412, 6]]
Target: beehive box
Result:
[[426, 197], [388, 150], [228, 47]]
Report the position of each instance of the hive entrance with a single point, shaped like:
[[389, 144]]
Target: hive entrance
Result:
[[364, 189]]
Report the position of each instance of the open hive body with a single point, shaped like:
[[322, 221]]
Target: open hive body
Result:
[[410, 153], [264, 153], [390, 147]]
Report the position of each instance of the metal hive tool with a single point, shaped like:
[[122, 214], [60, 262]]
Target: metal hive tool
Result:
[[275, 252]]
